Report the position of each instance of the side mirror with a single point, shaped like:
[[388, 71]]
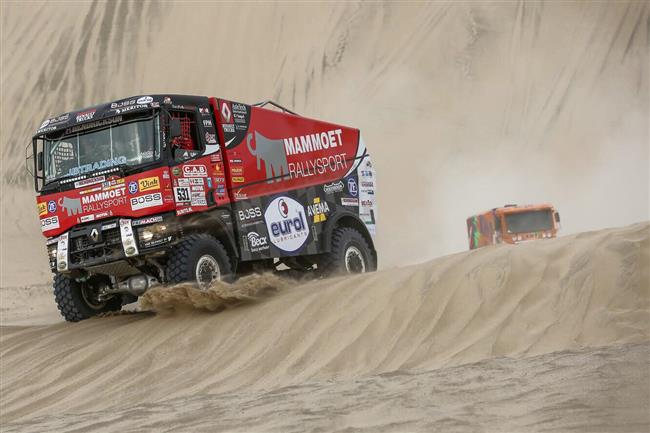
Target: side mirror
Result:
[[557, 217], [39, 161], [175, 128]]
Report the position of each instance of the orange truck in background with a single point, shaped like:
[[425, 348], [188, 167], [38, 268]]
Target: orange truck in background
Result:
[[512, 224]]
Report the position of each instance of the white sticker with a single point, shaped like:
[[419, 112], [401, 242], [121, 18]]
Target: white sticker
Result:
[[50, 223], [182, 194], [286, 223], [145, 201]]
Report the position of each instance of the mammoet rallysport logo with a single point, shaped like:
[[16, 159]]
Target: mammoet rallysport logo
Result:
[[287, 224]]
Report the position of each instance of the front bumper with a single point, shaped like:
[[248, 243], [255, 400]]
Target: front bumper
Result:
[[106, 242]]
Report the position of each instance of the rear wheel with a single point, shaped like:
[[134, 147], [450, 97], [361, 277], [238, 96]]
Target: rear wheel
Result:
[[81, 300], [201, 259], [350, 254]]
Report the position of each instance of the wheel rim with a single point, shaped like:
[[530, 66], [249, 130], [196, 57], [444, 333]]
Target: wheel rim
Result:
[[207, 271], [90, 295], [354, 261]]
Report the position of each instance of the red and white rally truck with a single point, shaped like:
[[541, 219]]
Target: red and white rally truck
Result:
[[160, 189]]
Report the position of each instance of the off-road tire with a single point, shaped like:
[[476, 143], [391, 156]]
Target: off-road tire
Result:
[[343, 239], [184, 257], [73, 306]]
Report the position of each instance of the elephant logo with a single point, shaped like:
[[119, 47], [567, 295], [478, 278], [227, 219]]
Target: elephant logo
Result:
[[273, 154], [71, 205]]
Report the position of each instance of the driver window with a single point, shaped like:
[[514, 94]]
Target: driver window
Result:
[[186, 145]]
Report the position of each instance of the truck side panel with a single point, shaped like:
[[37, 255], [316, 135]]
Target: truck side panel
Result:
[[288, 175]]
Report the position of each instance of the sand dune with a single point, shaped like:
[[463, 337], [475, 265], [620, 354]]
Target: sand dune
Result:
[[587, 290], [465, 106]]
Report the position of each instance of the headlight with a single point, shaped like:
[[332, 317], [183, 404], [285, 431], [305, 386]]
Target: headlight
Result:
[[154, 233], [51, 251], [146, 235]]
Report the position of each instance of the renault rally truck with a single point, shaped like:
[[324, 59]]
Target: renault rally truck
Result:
[[164, 189], [512, 224]]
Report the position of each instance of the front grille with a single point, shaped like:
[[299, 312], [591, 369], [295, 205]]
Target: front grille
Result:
[[85, 251]]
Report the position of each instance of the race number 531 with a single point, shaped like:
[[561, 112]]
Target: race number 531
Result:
[[182, 194]]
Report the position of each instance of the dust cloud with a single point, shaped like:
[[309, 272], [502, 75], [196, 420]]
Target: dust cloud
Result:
[[219, 296]]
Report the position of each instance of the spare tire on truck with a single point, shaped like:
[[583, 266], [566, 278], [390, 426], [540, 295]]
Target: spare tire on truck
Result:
[[80, 300], [199, 258], [350, 254]]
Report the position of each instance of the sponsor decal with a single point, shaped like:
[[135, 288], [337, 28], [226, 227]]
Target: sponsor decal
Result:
[[257, 242], [226, 112], [91, 125], [145, 201], [345, 201], [198, 188], [210, 138], [133, 187], [318, 166], [42, 209], [109, 226], [238, 170], [176, 171], [236, 161], [352, 187], [366, 184], [240, 195], [99, 165], [85, 116], [253, 213], [221, 190], [286, 223], [313, 142], [71, 205], [149, 183], [182, 194], [112, 183], [54, 122], [101, 196], [91, 190], [199, 202], [50, 223], [51, 206], [209, 182], [184, 211], [87, 218], [367, 203], [156, 242], [318, 210], [207, 123], [91, 181], [104, 214], [184, 182], [204, 111], [103, 200], [144, 100], [238, 179], [195, 171], [331, 188], [165, 174], [196, 181], [147, 220]]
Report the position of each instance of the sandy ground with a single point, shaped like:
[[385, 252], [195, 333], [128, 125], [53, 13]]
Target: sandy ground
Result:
[[387, 340], [465, 106], [589, 390]]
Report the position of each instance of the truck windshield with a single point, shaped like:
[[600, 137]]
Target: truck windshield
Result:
[[130, 143], [527, 222]]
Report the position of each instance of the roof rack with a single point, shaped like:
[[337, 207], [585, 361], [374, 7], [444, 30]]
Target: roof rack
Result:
[[275, 104]]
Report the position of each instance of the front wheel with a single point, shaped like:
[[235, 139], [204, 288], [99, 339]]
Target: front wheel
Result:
[[350, 254], [81, 300], [199, 258]]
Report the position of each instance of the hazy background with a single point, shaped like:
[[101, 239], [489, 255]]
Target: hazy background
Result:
[[464, 106]]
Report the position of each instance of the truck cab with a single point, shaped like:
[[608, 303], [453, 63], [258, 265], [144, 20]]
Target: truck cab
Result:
[[513, 224], [159, 189]]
